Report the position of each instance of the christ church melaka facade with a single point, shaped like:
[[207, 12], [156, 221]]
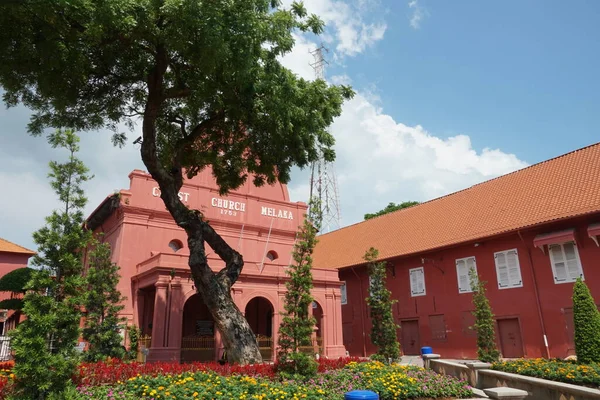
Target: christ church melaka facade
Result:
[[259, 222]]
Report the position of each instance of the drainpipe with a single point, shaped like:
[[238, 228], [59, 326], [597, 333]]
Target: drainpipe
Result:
[[362, 314], [537, 295]]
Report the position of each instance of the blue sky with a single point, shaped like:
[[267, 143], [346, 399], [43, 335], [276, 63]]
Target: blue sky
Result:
[[519, 75], [448, 94]]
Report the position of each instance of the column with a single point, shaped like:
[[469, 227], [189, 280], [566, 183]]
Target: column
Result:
[[334, 346], [176, 316], [138, 317], [158, 320]]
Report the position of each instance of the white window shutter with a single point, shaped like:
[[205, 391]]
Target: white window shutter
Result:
[[558, 261], [413, 282], [514, 269], [344, 293], [417, 281], [573, 270], [502, 270], [421, 280], [462, 270]]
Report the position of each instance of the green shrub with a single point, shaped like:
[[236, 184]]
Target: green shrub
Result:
[[384, 329], [554, 370], [586, 319], [484, 321]]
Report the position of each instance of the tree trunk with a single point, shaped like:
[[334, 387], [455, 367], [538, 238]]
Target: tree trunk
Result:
[[215, 288]]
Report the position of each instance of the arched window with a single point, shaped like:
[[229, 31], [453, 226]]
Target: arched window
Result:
[[272, 255], [175, 245]]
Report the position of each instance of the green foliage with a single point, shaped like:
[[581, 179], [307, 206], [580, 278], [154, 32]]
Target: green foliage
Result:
[[383, 330], [205, 78], [224, 98], [586, 319], [44, 344], [297, 325], [554, 370], [11, 304], [484, 321], [16, 280], [102, 302], [391, 207], [134, 334]]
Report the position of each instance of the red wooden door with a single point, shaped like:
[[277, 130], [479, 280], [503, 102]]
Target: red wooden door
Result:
[[511, 343], [410, 338]]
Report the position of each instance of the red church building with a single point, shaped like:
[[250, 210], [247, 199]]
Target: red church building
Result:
[[529, 234], [259, 222]]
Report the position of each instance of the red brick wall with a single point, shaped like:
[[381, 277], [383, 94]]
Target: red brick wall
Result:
[[443, 299]]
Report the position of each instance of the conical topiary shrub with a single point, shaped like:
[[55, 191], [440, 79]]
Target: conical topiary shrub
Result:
[[586, 319]]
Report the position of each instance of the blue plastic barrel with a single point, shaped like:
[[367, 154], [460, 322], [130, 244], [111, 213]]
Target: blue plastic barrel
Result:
[[426, 350], [361, 395]]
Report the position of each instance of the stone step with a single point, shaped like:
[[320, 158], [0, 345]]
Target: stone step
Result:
[[506, 393]]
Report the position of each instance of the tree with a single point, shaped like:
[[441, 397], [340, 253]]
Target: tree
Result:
[[204, 78], [44, 344], [15, 282], [484, 321], [297, 325], [383, 328], [103, 302], [391, 207], [586, 320]]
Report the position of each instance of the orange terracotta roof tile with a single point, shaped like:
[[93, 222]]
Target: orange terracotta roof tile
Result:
[[563, 187], [10, 247]]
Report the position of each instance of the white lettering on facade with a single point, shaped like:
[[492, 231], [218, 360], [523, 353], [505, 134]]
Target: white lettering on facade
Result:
[[228, 207], [183, 196], [271, 212]]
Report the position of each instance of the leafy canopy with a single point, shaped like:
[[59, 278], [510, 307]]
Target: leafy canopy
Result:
[[391, 207], [223, 98]]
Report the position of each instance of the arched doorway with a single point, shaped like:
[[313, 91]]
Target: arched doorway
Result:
[[198, 331], [317, 312], [259, 314]]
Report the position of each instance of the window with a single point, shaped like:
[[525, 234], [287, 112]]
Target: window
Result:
[[344, 294], [463, 266], [566, 265], [272, 255], [175, 245], [417, 282], [437, 324], [508, 269]]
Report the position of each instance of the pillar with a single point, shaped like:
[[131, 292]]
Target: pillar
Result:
[[333, 341], [159, 323], [160, 308], [139, 305], [175, 315]]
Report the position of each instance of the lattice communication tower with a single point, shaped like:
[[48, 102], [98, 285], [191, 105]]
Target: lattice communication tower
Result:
[[323, 183]]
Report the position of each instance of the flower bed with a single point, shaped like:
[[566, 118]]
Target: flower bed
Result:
[[391, 382], [555, 370], [111, 371]]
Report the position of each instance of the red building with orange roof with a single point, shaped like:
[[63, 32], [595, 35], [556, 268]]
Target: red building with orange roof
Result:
[[12, 257], [529, 234]]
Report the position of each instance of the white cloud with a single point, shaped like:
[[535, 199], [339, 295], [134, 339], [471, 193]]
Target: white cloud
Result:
[[380, 160], [418, 13], [347, 24]]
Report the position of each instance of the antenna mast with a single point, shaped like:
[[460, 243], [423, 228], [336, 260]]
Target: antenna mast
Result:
[[323, 183]]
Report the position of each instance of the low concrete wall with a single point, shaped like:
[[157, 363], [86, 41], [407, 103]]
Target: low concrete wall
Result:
[[460, 371], [538, 389]]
